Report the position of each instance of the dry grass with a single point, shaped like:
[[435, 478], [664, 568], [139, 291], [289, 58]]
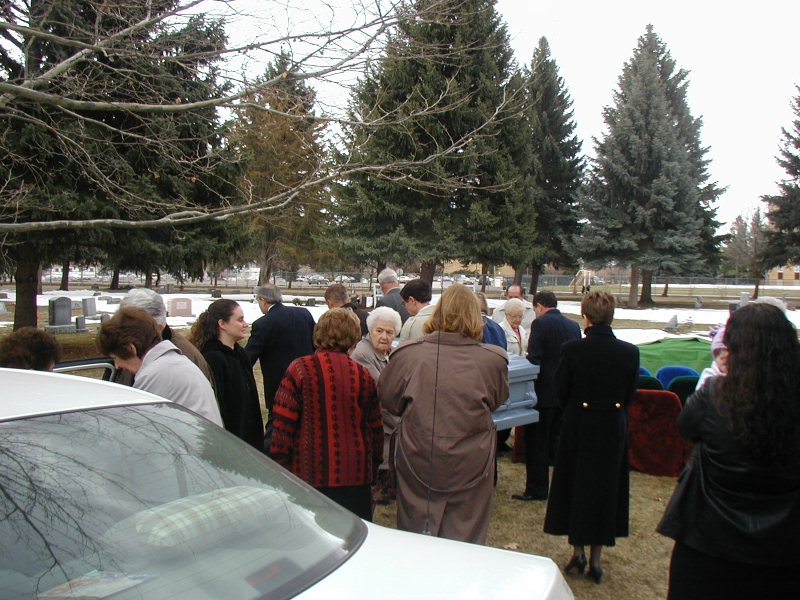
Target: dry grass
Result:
[[635, 569]]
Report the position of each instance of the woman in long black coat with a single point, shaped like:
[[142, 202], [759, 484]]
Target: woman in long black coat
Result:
[[216, 333], [589, 494]]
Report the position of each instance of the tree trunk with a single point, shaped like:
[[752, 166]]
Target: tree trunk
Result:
[[665, 293], [27, 284], [483, 277], [148, 280], [39, 280], [114, 279], [634, 287], [64, 285], [536, 271], [426, 271], [646, 298], [756, 288], [517, 276]]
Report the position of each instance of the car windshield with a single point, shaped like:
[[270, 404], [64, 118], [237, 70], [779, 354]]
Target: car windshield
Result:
[[151, 501]]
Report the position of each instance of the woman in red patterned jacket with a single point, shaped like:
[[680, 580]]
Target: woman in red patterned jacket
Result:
[[328, 427]]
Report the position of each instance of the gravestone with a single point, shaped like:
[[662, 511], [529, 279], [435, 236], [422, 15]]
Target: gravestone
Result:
[[105, 318], [3, 309], [3, 295], [216, 293], [76, 305], [80, 324], [59, 315], [113, 300], [180, 307], [672, 325], [89, 307], [311, 301]]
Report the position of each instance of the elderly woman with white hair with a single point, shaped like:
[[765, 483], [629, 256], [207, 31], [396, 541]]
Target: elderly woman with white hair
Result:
[[372, 352], [516, 336]]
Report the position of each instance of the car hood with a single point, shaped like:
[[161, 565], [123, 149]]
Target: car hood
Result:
[[398, 564]]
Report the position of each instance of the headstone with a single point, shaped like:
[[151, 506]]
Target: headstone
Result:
[[180, 307], [89, 307], [59, 311], [216, 293], [104, 318], [3, 295], [59, 315], [744, 298], [113, 300], [96, 294], [698, 302], [311, 301], [80, 324], [672, 325], [76, 305], [3, 309]]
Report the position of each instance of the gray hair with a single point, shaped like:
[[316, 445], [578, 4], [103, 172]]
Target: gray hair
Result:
[[269, 292], [384, 313], [513, 303], [387, 276], [149, 301]]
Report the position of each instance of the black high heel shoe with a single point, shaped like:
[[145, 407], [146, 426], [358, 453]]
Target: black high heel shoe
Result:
[[576, 563], [595, 573]]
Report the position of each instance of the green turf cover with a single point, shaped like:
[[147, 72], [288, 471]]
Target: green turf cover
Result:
[[689, 352]]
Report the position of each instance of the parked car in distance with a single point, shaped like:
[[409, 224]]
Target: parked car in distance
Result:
[[343, 279], [108, 490]]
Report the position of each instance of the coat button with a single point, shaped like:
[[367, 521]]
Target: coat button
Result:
[[618, 405], [585, 405]]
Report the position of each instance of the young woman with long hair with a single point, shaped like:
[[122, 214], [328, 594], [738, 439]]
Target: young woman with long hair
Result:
[[216, 333], [735, 515]]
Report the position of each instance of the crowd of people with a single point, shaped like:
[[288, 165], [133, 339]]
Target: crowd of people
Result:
[[399, 400]]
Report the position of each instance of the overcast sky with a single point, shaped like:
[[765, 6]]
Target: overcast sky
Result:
[[742, 60]]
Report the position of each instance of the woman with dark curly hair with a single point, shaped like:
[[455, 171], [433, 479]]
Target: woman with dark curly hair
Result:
[[216, 334], [29, 348], [735, 515]]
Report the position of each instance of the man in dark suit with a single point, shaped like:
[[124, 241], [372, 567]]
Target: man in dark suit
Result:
[[390, 287], [549, 331], [276, 339], [336, 297]]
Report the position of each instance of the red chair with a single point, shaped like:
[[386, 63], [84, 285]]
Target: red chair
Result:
[[655, 447]]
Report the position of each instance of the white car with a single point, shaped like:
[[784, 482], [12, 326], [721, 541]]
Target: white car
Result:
[[107, 490]]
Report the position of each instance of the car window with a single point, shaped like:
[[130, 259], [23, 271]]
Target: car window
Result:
[[154, 502]]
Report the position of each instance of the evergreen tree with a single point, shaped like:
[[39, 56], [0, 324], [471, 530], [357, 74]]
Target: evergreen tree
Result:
[[279, 137], [648, 201], [133, 165], [783, 212], [744, 250], [556, 168], [438, 98]]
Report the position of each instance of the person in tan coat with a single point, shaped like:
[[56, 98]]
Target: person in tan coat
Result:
[[444, 387]]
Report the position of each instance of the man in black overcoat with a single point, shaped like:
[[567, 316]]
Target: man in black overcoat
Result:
[[549, 331], [276, 339]]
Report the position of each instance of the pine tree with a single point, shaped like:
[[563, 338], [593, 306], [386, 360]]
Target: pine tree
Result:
[[556, 168], [783, 212], [648, 197], [744, 250], [279, 138], [435, 92], [136, 165]]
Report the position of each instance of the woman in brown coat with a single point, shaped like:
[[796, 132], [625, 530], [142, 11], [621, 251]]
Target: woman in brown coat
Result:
[[444, 387]]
